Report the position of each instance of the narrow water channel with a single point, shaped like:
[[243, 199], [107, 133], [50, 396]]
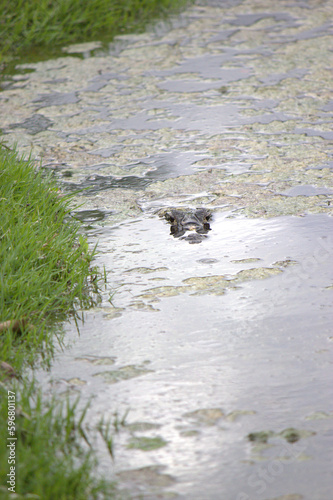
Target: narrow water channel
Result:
[[219, 352]]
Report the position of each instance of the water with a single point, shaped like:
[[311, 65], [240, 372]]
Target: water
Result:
[[195, 335], [217, 352]]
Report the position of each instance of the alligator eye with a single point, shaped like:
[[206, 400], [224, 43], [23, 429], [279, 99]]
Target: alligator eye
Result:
[[169, 217]]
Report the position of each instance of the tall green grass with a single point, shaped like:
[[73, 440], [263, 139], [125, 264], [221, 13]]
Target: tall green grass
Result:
[[45, 264], [53, 458], [45, 273], [25, 25]]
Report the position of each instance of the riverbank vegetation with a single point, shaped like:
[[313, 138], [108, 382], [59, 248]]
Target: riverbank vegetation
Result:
[[48, 457], [40, 25], [45, 263], [46, 273]]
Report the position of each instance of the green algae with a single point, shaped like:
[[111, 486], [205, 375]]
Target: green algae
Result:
[[285, 263], [245, 261], [145, 270], [97, 360], [234, 415], [123, 373], [205, 416], [142, 426], [260, 437], [280, 153], [216, 285], [320, 415], [189, 433], [146, 443], [291, 435], [76, 381], [150, 475], [211, 416]]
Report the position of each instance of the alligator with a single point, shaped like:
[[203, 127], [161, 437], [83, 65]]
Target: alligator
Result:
[[190, 225]]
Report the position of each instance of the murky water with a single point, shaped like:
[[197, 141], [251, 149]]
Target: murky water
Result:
[[208, 343], [219, 350]]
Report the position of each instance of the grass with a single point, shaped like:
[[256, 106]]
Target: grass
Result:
[[45, 265], [45, 273], [40, 24], [52, 460]]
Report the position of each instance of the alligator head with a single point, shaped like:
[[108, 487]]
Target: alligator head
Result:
[[190, 225]]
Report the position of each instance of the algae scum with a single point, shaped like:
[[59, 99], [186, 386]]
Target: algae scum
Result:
[[219, 350]]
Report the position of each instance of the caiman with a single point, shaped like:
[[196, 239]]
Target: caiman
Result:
[[188, 224]]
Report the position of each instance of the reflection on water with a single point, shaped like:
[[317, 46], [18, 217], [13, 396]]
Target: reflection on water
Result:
[[241, 352]]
